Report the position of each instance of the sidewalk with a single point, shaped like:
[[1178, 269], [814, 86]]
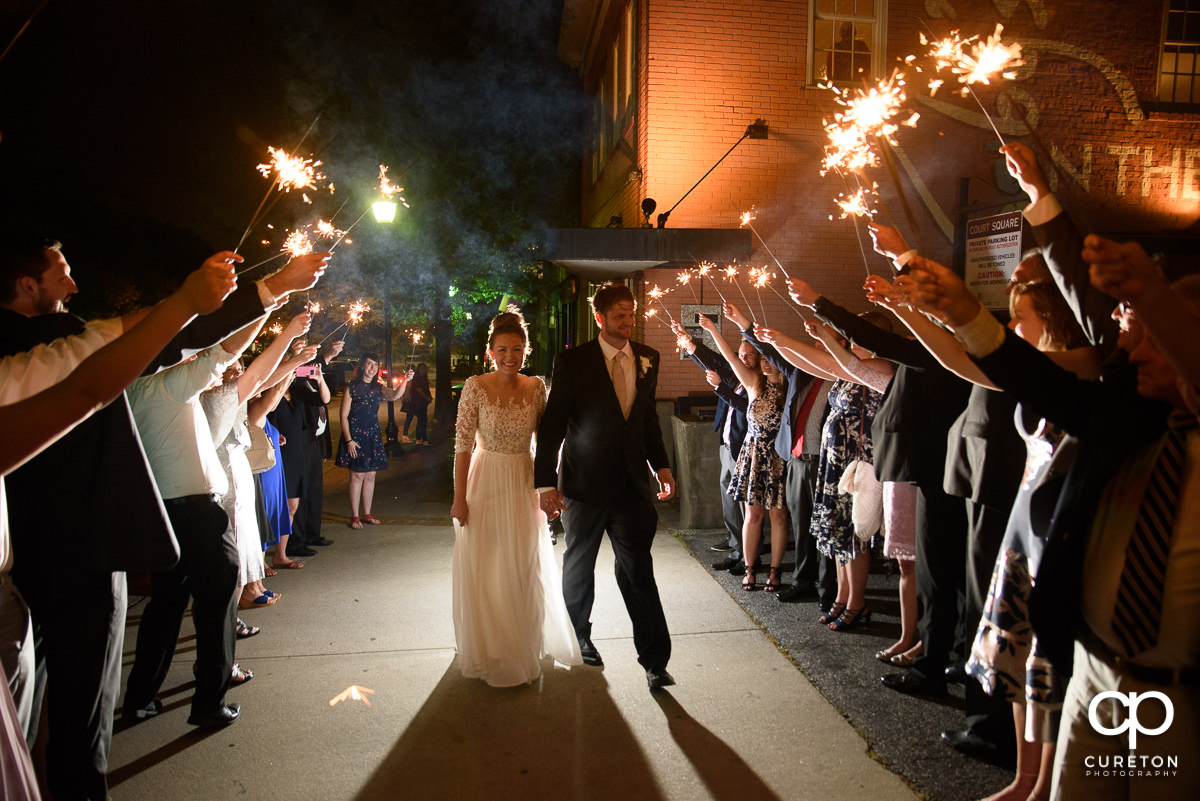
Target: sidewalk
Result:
[[373, 611]]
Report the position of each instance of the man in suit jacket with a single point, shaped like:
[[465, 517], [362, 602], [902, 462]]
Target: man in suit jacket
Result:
[[98, 469], [1107, 494], [601, 411], [730, 426]]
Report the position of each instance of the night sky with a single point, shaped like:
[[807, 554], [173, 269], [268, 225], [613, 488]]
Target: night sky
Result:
[[131, 130]]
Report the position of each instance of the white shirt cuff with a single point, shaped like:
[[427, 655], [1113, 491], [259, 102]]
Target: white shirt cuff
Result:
[[904, 258], [545, 489], [982, 336], [1043, 211], [269, 301]]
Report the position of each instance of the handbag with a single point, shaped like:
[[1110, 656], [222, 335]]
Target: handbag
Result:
[[261, 453], [859, 481]]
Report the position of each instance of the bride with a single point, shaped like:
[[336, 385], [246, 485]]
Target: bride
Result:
[[508, 603]]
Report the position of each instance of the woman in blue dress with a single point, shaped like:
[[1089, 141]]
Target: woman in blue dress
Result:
[[361, 445]]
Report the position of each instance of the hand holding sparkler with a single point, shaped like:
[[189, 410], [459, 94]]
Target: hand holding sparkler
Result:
[[734, 315], [1123, 270], [706, 322], [1022, 165], [893, 296], [887, 240], [713, 378], [205, 288], [802, 292], [940, 292], [298, 325], [683, 338], [299, 274], [336, 348]]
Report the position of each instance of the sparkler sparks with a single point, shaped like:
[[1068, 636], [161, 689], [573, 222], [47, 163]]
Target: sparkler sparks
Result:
[[387, 188], [297, 244], [327, 230], [703, 269], [859, 204], [314, 307], [276, 329], [356, 311], [291, 172], [976, 62], [747, 217]]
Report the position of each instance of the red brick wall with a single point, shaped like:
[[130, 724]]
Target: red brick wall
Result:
[[710, 68]]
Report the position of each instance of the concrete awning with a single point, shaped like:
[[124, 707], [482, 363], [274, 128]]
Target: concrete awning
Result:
[[598, 254]]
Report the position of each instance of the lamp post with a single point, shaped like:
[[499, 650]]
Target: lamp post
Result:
[[385, 212]]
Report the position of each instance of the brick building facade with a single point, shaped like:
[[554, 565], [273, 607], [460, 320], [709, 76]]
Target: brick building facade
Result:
[[677, 82]]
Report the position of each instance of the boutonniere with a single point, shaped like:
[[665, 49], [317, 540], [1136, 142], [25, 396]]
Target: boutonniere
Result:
[[644, 365]]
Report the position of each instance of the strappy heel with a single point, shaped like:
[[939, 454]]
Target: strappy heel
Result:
[[833, 614], [748, 583], [851, 618], [772, 584]]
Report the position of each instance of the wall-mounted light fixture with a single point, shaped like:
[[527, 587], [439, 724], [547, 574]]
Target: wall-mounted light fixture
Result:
[[755, 130]]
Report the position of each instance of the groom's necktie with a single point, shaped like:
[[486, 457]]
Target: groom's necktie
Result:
[[620, 379]]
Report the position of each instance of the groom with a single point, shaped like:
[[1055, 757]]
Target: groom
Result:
[[601, 410]]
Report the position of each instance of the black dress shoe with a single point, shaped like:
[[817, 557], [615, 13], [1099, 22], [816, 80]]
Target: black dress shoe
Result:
[[956, 675], [301, 551], [796, 592], [221, 716], [913, 684], [657, 679], [589, 653], [321, 543], [151, 709], [970, 744], [726, 563], [721, 547]]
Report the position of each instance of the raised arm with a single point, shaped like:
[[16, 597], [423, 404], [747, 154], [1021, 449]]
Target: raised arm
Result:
[[873, 373], [745, 375], [264, 403], [395, 393], [801, 355], [260, 371], [33, 423]]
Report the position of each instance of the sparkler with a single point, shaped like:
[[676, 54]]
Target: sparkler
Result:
[[684, 277], [758, 279], [747, 217], [296, 172], [276, 329], [297, 243], [416, 337], [314, 307], [356, 310], [703, 269], [731, 273], [651, 313], [657, 294], [386, 191], [976, 62]]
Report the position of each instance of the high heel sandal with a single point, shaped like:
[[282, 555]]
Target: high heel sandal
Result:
[[850, 618], [833, 614], [748, 580], [772, 584]]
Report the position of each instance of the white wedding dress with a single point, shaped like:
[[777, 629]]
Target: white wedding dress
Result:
[[508, 605]]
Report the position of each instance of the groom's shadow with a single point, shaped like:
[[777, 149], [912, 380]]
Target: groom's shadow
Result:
[[723, 771], [561, 737]]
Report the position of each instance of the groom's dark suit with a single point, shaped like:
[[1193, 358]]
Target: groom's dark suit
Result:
[[606, 483]]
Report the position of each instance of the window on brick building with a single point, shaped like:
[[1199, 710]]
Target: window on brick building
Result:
[[616, 99], [1179, 66], [847, 41]]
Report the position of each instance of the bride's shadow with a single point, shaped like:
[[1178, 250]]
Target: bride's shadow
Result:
[[561, 737]]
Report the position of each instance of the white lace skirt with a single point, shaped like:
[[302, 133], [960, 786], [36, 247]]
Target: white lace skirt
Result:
[[508, 605]]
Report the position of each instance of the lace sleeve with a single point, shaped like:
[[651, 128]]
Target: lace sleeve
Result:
[[468, 417], [541, 392], [868, 375]]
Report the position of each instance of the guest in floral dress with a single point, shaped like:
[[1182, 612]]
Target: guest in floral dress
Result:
[[758, 476], [361, 445]]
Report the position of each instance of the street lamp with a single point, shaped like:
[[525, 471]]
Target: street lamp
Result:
[[385, 212]]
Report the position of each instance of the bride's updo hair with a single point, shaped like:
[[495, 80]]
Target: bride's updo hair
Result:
[[508, 322]]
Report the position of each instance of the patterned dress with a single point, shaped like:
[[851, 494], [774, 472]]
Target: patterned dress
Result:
[[364, 400], [758, 474], [507, 600], [846, 437], [1005, 657]]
